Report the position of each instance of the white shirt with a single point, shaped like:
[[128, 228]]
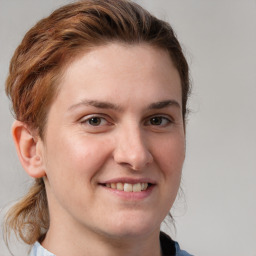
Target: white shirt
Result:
[[39, 250]]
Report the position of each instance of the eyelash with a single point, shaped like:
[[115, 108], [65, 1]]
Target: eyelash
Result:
[[90, 118], [162, 118], [103, 121]]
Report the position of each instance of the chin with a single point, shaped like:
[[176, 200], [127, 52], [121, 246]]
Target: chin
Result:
[[132, 226]]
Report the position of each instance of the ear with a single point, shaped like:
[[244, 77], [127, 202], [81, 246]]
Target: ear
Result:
[[29, 148]]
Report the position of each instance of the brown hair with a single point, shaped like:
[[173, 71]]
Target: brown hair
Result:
[[41, 58]]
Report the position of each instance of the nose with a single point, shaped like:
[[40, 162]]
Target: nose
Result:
[[131, 149]]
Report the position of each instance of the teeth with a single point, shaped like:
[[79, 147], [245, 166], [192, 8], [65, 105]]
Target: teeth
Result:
[[120, 186], [136, 187], [127, 187], [113, 185]]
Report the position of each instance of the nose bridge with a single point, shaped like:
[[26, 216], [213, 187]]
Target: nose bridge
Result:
[[131, 147]]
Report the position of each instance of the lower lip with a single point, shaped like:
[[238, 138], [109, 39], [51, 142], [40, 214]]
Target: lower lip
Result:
[[131, 196]]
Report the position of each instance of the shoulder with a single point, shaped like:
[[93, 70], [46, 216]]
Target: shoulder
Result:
[[180, 252], [170, 247]]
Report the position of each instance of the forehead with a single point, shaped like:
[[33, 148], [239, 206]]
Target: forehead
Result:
[[117, 68]]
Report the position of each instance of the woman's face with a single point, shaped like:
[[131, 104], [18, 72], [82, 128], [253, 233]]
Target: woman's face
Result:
[[114, 142]]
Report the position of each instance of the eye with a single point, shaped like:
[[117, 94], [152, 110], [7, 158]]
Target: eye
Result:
[[96, 121], [158, 121]]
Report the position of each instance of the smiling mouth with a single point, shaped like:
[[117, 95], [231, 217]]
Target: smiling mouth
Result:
[[128, 187]]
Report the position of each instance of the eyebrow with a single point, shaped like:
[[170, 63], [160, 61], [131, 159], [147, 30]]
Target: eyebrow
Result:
[[109, 105], [164, 104], [96, 104]]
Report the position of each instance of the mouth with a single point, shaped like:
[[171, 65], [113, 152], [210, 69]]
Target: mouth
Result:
[[128, 187]]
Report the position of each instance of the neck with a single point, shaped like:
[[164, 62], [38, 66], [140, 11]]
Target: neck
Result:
[[93, 244]]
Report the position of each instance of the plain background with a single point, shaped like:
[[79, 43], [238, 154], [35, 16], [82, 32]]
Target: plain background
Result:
[[217, 214]]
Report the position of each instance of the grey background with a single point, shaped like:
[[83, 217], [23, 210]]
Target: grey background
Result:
[[217, 215]]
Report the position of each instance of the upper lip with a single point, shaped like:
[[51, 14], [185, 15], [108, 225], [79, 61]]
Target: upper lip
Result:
[[129, 180]]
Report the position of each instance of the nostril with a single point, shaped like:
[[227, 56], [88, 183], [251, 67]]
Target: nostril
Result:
[[131, 151]]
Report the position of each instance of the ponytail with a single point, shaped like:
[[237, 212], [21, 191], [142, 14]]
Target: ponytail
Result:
[[29, 218]]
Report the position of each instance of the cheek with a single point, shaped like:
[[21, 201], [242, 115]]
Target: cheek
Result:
[[171, 155], [76, 156], [72, 167], [169, 158]]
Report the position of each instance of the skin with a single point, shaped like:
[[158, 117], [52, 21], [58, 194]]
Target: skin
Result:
[[133, 92]]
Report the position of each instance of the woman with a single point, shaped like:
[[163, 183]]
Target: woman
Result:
[[99, 90]]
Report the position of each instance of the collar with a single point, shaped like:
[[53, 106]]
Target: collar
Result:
[[168, 247]]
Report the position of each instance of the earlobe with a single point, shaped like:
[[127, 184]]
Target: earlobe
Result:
[[29, 149]]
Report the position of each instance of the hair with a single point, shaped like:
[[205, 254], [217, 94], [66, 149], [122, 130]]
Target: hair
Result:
[[40, 60]]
